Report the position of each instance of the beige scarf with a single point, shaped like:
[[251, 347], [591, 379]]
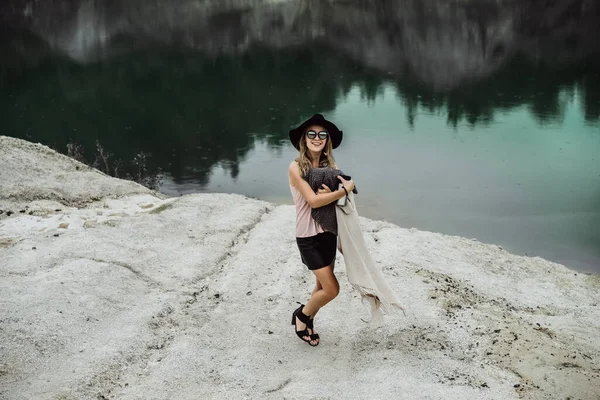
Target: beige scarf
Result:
[[362, 272]]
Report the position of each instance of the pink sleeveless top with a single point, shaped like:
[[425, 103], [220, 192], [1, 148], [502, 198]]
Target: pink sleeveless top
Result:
[[305, 224]]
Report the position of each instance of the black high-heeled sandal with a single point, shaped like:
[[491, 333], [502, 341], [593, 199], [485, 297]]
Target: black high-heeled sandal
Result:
[[304, 319]]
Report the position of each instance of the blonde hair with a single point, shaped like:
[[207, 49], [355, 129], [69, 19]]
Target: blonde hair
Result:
[[304, 159]]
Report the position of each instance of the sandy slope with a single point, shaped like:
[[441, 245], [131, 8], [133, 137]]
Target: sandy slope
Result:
[[142, 297]]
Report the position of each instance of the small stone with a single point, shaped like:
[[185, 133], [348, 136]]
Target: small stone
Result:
[[9, 213], [217, 295], [90, 224], [58, 210], [270, 332], [55, 235], [63, 225], [34, 248], [249, 293], [30, 212], [516, 385], [22, 211]]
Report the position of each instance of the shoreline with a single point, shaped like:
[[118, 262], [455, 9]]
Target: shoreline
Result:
[[110, 290], [282, 202]]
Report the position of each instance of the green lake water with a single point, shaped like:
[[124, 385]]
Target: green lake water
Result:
[[507, 152]]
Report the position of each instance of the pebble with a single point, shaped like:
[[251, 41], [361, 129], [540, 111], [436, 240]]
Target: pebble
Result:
[[90, 224]]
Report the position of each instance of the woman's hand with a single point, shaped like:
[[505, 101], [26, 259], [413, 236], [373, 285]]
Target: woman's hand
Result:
[[349, 185], [324, 189], [315, 200]]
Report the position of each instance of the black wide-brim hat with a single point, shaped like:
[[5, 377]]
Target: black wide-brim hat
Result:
[[335, 135]]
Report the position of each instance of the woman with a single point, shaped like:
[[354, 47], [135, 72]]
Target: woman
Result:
[[315, 139]]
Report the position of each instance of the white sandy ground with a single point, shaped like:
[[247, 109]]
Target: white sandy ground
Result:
[[146, 297]]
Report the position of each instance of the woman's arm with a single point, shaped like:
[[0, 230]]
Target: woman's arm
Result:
[[313, 200]]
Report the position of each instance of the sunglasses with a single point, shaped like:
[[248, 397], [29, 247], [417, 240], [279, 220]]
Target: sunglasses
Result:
[[322, 135]]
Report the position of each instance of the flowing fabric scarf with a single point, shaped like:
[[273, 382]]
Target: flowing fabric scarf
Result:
[[363, 273]]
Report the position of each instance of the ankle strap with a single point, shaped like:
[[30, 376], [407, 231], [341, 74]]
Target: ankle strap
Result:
[[301, 316]]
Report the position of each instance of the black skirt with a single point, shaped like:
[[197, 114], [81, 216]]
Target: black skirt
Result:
[[317, 251]]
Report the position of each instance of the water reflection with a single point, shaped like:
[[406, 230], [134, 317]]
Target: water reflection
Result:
[[200, 85], [442, 45], [260, 70], [186, 109]]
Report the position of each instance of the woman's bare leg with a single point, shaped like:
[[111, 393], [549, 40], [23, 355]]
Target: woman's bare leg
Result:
[[329, 290], [318, 290], [318, 287], [315, 290]]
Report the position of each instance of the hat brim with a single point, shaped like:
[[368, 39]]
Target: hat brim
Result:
[[335, 134]]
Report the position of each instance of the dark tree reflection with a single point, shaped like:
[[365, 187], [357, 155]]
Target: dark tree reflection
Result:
[[197, 92]]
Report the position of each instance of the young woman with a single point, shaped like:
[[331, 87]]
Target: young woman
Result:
[[315, 139]]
